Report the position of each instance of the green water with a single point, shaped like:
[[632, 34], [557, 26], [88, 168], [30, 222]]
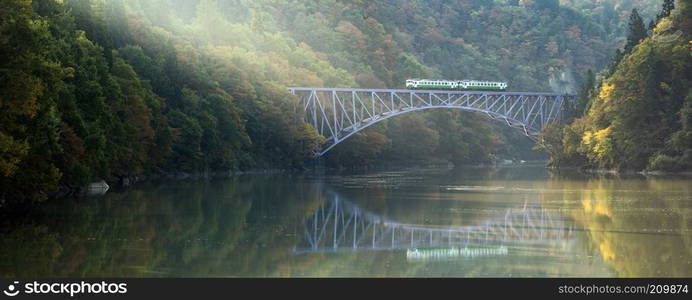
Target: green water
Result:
[[506, 222]]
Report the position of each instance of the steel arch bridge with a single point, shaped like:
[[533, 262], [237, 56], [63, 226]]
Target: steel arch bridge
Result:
[[338, 113], [341, 226]]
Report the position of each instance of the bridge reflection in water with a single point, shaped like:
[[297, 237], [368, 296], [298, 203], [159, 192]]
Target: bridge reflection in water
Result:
[[342, 226]]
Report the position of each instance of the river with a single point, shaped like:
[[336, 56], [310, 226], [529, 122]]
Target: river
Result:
[[521, 221]]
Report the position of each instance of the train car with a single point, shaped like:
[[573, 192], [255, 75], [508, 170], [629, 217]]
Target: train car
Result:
[[442, 84]]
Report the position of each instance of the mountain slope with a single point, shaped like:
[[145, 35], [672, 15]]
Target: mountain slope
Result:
[[639, 117]]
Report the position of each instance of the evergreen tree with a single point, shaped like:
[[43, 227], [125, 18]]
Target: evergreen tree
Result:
[[637, 31], [668, 6], [585, 94], [612, 66]]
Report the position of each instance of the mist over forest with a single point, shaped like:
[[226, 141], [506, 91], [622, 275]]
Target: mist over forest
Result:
[[95, 89]]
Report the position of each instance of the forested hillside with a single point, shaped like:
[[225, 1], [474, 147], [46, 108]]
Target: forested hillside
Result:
[[534, 45], [638, 117], [85, 95], [95, 89]]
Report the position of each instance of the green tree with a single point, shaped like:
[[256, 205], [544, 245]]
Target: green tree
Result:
[[585, 94], [29, 122], [668, 7], [637, 31]]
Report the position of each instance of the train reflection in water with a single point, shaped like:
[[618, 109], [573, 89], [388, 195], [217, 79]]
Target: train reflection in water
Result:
[[417, 254]]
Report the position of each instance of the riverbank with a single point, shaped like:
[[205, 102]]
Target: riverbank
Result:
[[594, 171], [100, 187]]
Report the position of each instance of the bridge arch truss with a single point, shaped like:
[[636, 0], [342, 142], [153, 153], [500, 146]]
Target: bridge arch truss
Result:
[[338, 113]]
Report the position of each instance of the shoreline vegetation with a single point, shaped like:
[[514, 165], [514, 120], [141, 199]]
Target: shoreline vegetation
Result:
[[592, 171]]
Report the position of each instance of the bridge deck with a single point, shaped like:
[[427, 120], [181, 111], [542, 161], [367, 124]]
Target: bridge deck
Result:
[[309, 89]]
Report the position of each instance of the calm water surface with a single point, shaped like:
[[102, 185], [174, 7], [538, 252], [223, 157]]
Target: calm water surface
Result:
[[505, 222]]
